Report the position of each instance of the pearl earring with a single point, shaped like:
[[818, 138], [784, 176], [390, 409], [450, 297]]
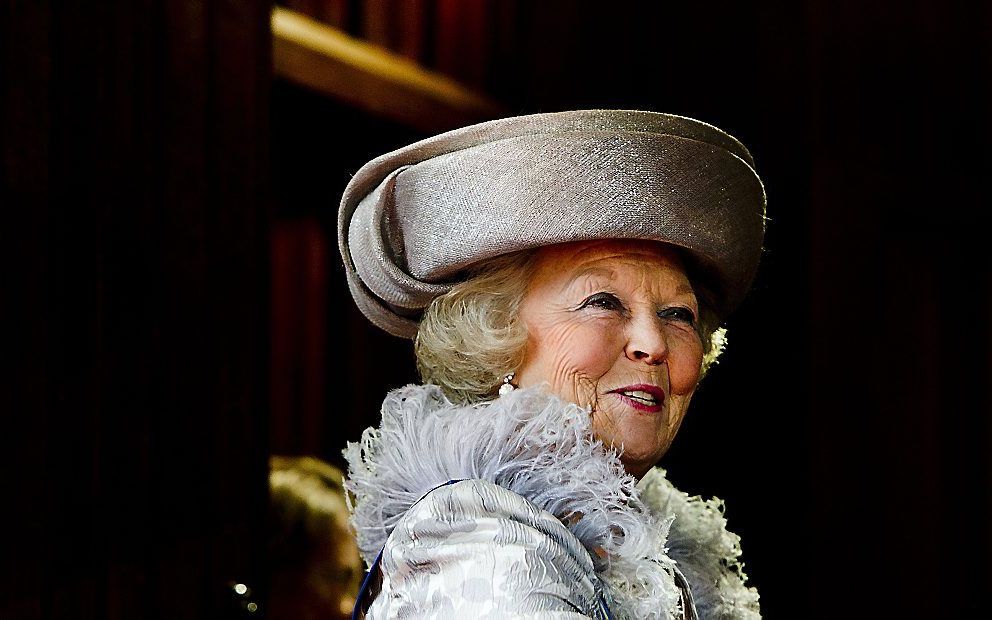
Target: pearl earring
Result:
[[507, 387]]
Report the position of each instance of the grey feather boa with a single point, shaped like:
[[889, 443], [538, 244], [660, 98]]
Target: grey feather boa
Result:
[[542, 449]]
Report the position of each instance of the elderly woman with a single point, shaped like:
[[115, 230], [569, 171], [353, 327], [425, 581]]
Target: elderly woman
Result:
[[563, 277]]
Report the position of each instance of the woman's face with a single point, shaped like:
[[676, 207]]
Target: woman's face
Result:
[[612, 327]]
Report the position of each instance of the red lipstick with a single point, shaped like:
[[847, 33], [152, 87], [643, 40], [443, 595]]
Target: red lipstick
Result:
[[642, 396]]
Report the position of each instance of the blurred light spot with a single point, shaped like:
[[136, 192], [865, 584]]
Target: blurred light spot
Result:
[[347, 605]]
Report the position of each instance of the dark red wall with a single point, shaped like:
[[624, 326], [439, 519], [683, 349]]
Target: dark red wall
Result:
[[135, 306], [848, 425]]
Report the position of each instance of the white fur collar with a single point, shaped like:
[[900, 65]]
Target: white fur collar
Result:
[[540, 447]]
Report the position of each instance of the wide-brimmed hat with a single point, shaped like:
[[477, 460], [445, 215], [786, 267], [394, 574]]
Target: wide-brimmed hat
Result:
[[412, 221]]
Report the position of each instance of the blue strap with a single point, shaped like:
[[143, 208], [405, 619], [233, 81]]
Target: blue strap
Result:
[[606, 608], [363, 592]]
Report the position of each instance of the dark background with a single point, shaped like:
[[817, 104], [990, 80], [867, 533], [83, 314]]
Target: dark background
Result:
[[174, 308]]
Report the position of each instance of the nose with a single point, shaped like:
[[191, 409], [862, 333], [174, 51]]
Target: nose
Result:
[[646, 341]]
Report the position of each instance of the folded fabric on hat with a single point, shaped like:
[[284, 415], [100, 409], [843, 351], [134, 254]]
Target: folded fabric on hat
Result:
[[413, 220]]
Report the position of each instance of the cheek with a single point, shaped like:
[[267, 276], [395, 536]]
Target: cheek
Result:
[[684, 363], [570, 355]]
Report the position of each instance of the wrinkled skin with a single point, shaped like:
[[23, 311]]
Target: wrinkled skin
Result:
[[608, 314]]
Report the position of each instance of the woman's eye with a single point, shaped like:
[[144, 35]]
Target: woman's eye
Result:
[[679, 313], [606, 301]]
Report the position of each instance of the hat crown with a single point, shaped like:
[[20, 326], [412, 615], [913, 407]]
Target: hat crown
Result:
[[412, 220]]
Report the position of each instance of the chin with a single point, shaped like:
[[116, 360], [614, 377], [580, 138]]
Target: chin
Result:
[[640, 456], [637, 469], [637, 460], [640, 442]]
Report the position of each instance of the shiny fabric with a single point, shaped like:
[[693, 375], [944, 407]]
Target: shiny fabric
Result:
[[536, 490], [411, 221], [476, 550]]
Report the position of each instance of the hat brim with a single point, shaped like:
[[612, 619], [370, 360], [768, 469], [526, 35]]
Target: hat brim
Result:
[[413, 220]]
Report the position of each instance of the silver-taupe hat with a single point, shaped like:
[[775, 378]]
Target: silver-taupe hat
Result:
[[412, 221]]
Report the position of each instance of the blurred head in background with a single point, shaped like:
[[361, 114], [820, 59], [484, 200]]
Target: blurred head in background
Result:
[[316, 569]]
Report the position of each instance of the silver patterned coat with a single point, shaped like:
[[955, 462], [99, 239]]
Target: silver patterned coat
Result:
[[510, 509]]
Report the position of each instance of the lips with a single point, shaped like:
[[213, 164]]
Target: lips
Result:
[[643, 397]]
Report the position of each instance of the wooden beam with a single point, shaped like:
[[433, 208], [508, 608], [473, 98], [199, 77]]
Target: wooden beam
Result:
[[329, 61]]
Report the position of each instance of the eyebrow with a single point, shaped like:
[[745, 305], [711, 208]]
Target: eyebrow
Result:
[[588, 271]]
